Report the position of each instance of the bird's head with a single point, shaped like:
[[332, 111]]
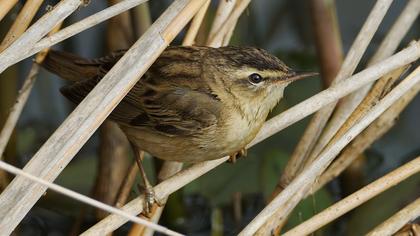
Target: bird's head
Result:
[[250, 75]]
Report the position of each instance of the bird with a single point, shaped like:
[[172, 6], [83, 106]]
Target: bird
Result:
[[193, 104]]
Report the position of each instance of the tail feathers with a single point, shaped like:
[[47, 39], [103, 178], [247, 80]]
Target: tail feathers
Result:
[[69, 66]]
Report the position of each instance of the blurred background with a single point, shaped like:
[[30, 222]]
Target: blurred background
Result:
[[227, 198]]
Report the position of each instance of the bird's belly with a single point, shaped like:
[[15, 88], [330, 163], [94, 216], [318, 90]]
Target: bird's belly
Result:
[[209, 145]]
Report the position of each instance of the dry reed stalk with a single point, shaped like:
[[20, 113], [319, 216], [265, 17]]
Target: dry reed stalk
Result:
[[357, 198], [318, 121], [365, 139], [327, 39], [16, 110], [155, 218], [66, 141], [378, 128], [375, 95], [21, 23], [228, 35], [409, 230], [357, 146], [38, 30], [330, 54], [335, 92], [113, 164], [127, 185], [114, 148], [223, 11], [84, 199], [119, 30], [141, 14], [21, 100], [9, 59], [168, 169], [310, 152], [271, 127], [162, 191], [398, 220], [141, 19], [189, 38], [6, 6], [382, 87], [387, 48], [297, 189], [216, 39]]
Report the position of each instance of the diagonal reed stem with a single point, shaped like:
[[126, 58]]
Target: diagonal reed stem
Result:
[[39, 44], [356, 199], [297, 189], [271, 127], [318, 121], [399, 219], [85, 199], [66, 141]]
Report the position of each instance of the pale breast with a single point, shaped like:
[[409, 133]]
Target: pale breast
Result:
[[243, 125]]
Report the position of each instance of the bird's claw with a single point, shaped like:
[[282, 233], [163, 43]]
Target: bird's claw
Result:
[[236, 155], [150, 200]]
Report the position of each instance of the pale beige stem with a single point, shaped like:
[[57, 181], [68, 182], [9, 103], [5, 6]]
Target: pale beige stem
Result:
[[22, 97], [195, 25], [34, 33], [84, 199], [38, 45], [334, 92], [297, 189], [127, 185], [6, 5], [374, 97], [272, 126], [378, 128], [397, 221], [169, 169], [217, 39], [16, 110], [142, 17], [318, 121], [56, 153], [382, 86], [387, 48], [21, 23], [222, 13], [228, 36], [327, 38], [357, 198]]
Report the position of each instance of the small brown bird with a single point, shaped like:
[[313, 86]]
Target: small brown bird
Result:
[[194, 103]]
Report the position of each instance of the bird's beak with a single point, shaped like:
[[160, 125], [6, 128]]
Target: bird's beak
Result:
[[297, 75]]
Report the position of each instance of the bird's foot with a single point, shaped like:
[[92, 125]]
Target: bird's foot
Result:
[[150, 200], [237, 155]]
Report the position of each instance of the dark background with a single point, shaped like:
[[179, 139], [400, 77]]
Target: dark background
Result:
[[281, 27]]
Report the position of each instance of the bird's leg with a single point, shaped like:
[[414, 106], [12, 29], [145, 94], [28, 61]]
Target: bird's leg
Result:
[[149, 193], [238, 154]]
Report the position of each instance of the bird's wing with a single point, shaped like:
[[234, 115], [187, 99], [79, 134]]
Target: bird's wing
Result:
[[75, 68], [166, 109]]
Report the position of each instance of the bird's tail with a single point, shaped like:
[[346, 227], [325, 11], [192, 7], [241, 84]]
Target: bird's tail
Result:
[[69, 66]]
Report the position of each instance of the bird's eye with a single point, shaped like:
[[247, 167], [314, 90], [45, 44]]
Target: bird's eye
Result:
[[255, 78]]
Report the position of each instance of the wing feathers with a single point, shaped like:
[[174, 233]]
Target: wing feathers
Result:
[[170, 106]]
